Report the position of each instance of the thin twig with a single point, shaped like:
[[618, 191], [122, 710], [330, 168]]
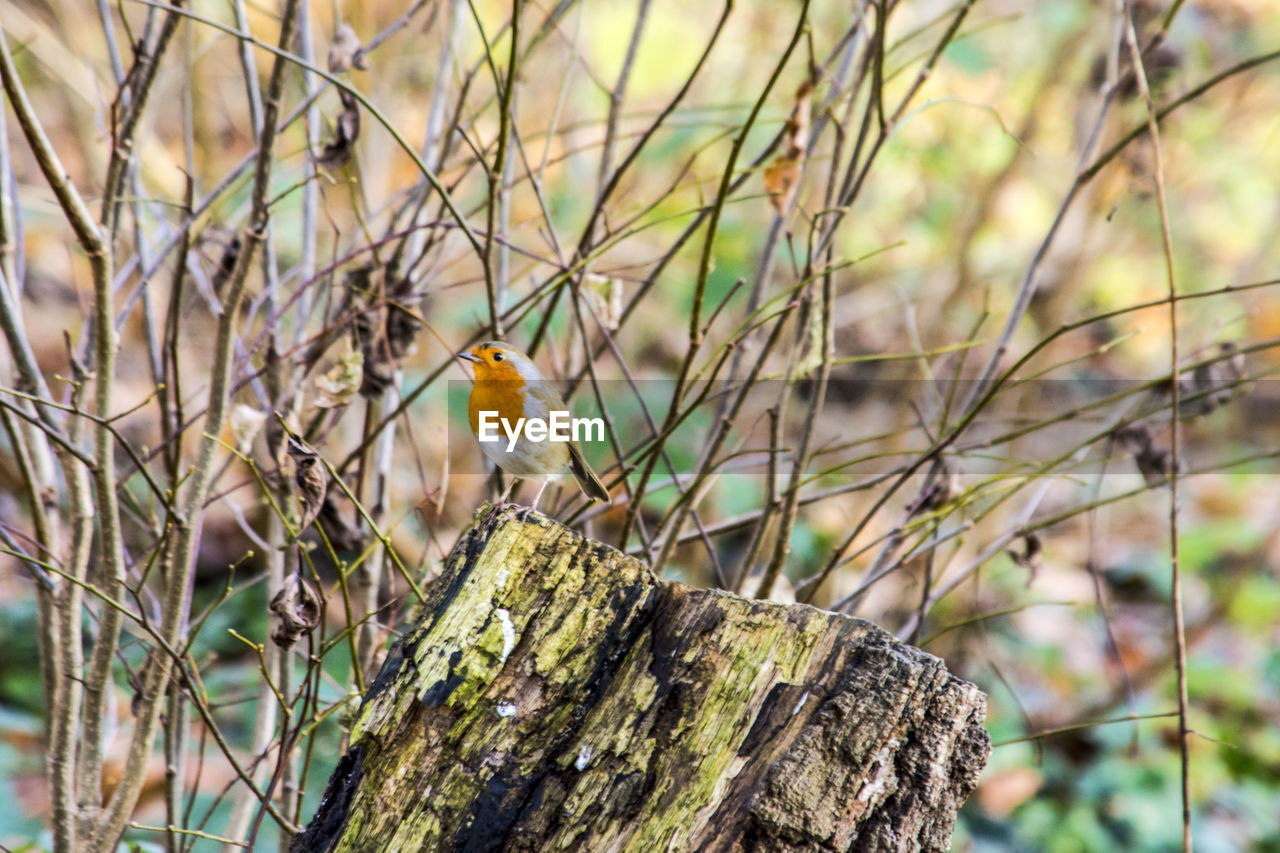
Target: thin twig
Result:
[[1175, 435]]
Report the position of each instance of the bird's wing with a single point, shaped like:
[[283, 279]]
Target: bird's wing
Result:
[[586, 478], [540, 401]]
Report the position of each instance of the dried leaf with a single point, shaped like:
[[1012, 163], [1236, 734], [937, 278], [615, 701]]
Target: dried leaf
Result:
[[375, 346], [345, 51], [385, 332], [1211, 385], [1029, 559], [346, 131], [402, 330], [403, 322], [335, 388], [298, 605], [783, 174], [245, 423], [1133, 438], [780, 181], [1154, 464], [312, 478]]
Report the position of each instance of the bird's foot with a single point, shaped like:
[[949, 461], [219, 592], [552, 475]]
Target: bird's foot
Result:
[[523, 515]]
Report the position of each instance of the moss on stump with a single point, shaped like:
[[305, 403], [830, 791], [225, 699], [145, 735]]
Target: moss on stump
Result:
[[554, 695]]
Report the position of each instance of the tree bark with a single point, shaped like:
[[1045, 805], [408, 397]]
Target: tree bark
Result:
[[554, 695]]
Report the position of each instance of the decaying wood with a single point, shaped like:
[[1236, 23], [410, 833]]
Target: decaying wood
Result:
[[554, 695]]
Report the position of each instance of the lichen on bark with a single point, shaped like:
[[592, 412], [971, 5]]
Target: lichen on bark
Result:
[[554, 695]]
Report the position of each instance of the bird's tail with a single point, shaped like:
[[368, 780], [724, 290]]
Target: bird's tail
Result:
[[586, 478]]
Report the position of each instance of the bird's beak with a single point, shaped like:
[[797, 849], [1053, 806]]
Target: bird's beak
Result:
[[469, 357]]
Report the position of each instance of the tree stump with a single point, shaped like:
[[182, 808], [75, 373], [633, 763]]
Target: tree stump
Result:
[[555, 695]]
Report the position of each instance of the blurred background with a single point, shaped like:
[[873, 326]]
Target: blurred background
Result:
[[885, 199]]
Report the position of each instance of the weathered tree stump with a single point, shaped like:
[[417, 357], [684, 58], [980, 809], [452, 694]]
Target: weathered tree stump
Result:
[[554, 695]]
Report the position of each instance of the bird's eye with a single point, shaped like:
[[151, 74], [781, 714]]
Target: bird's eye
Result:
[[497, 356]]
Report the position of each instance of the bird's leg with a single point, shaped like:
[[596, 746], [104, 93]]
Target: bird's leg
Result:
[[506, 493], [534, 507], [502, 502]]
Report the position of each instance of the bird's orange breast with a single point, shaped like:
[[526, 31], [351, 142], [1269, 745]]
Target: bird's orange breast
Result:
[[502, 393]]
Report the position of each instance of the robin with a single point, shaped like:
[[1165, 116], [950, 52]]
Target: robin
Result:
[[508, 396]]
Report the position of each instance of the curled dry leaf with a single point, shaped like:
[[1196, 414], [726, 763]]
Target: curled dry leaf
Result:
[[297, 605], [386, 333], [1153, 463], [403, 321], [339, 384], [1133, 438], [1211, 385], [1029, 558], [245, 423], [345, 51], [346, 130], [783, 174], [312, 478], [780, 181], [402, 330]]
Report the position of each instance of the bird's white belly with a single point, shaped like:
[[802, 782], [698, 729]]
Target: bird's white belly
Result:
[[529, 460]]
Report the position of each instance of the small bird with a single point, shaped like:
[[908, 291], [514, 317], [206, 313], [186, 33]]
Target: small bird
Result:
[[507, 383]]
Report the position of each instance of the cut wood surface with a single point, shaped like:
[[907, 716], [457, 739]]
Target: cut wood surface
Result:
[[554, 695]]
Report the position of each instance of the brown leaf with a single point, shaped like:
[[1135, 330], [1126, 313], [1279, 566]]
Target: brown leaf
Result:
[[346, 131], [1212, 384], [1133, 438], [403, 321], [336, 387], [346, 51], [1153, 463], [783, 174], [386, 332], [780, 181], [1029, 559], [297, 604], [797, 131], [312, 478]]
